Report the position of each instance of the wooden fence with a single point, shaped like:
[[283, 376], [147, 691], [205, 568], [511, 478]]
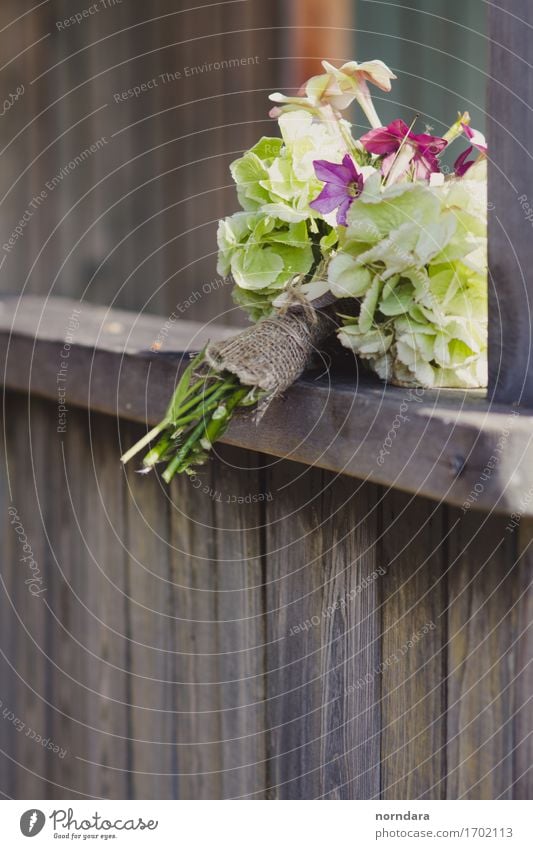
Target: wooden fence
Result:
[[268, 629], [301, 620], [176, 92]]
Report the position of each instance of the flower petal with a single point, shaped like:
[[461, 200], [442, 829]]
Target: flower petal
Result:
[[330, 172], [476, 138], [385, 139], [329, 199], [376, 72], [343, 211], [461, 164]]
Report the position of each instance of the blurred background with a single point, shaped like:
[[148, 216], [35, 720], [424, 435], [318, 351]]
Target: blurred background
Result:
[[120, 119]]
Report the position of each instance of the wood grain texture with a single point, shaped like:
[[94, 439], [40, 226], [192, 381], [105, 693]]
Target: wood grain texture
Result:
[[73, 702], [203, 643], [150, 645], [105, 633], [195, 660], [521, 786], [146, 204], [347, 423], [413, 623], [483, 591], [323, 635], [240, 517], [510, 125], [195, 643], [33, 636]]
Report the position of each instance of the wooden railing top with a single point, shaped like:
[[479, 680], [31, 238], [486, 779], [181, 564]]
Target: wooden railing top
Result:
[[448, 445]]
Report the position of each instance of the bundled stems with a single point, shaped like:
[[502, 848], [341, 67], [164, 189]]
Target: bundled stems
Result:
[[199, 412]]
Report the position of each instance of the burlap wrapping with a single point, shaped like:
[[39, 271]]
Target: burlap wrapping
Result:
[[273, 353]]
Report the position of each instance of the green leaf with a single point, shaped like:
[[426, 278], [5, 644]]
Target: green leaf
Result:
[[368, 307], [267, 148], [374, 217], [248, 172], [347, 278], [398, 301], [329, 241], [258, 268], [368, 345]]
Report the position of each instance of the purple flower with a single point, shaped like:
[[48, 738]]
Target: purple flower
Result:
[[343, 185], [463, 164], [422, 150]]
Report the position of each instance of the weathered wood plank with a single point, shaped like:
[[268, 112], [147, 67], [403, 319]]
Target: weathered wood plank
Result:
[[412, 663], [74, 683], [240, 502], [105, 632], [522, 784], [346, 427], [148, 663], [150, 618], [198, 692], [144, 187], [13, 636], [8, 625], [28, 436], [218, 631], [510, 125], [322, 637], [483, 591]]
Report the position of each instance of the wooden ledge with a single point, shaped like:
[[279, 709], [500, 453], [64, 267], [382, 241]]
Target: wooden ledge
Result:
[[448, 445]]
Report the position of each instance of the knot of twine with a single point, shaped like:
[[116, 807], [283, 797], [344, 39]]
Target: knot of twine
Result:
[[273, 353]]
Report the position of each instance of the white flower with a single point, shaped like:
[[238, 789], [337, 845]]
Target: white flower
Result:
[[338, 88]]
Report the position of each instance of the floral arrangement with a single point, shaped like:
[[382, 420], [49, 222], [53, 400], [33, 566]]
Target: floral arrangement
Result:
[[371, 238]]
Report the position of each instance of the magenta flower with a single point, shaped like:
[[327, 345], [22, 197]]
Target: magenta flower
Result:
[[343, 185], [421, 150], [463, 164]]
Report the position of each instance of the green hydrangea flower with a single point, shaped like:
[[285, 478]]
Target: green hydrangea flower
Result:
[[416, 255], [277, 175], [413, 253], [278, 237], [263, 254]]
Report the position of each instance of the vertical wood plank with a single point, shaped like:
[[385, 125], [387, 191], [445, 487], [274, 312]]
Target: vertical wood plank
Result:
[[219, 631], [198, 643], [481, 633], [510, 126], [412, 649], [150, 620], [522, 783], [240, 514], [215, 111], [322, 636], [194, 573], [106, 629], [28, 433]]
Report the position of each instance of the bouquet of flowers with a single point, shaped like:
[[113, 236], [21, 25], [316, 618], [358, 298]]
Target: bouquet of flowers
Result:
[[372, 238]]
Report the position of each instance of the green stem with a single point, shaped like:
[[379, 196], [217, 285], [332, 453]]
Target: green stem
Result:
[[213, 392], [209, 430], [216, 426], [142, 443], [213, 402], [157, 451], [178, 458], [197, 414], [199, 396]]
